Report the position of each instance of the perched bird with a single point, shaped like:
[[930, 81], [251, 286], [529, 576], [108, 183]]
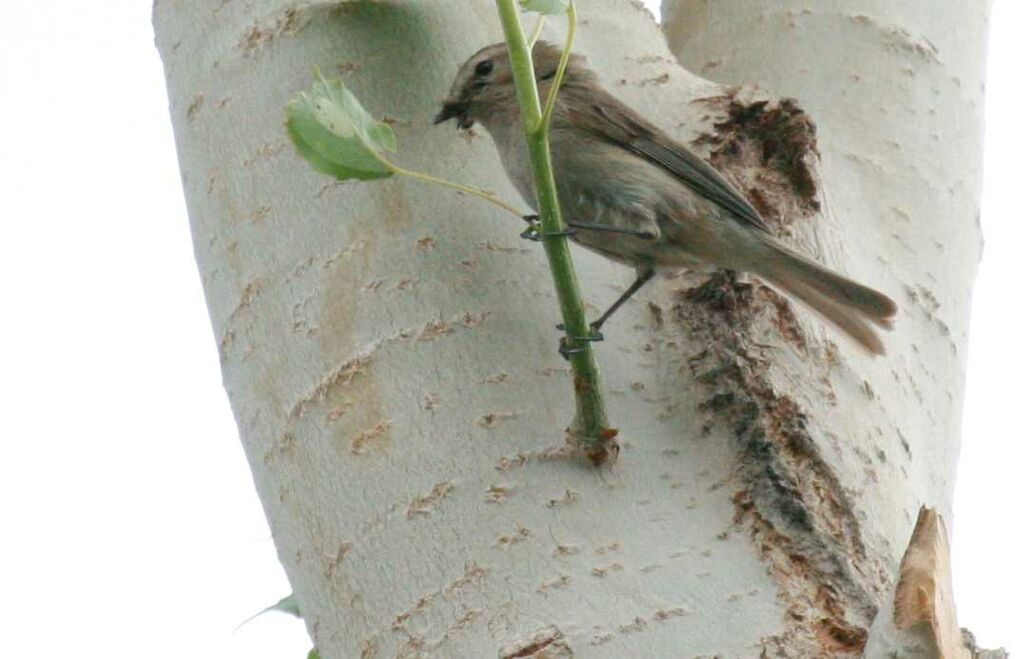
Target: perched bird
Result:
[[637, 196]]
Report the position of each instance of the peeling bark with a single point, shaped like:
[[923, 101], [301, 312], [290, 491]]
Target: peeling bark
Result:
[[769, 148], [791, 501]]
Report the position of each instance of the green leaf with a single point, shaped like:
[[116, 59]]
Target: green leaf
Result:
[[331, 130], [313, 654], [288, 604], [549, 7]]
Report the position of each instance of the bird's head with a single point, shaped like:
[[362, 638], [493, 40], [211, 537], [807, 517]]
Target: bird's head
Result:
[[484, 87]]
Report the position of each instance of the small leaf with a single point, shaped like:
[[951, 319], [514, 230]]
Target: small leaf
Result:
[[331, 130], [549, 7], [313, 654], [288, 604]]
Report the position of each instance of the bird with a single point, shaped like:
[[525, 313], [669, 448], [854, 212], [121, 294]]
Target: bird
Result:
[[632, 193]]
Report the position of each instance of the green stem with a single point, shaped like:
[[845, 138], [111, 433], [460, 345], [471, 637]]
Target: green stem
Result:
[[556, 84], [537, 30], [590, 426], [476, 192]]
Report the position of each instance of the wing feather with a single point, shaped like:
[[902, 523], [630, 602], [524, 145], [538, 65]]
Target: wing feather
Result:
[[609, 119]]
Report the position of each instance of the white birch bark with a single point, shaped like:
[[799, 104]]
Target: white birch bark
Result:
[[390, 356]]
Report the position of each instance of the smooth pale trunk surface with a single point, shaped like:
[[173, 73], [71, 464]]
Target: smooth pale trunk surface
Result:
[[389, 353]]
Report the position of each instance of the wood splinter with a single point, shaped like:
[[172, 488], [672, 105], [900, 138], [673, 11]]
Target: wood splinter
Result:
[[924, 593]]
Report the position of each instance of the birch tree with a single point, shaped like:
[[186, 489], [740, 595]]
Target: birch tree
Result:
[[390, 355]]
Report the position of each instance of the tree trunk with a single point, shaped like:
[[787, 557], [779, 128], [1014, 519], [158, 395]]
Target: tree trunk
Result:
[[390, 354]]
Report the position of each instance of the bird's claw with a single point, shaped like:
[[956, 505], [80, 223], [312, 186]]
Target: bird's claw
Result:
[[567, 351], [594, 336], [534, 233]]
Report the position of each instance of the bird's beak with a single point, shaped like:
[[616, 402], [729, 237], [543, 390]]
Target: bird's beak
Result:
[[453, 110]]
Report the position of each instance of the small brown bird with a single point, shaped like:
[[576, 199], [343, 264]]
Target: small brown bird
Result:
[[633, 194]]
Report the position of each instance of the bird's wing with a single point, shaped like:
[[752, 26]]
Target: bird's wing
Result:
[[607, 118]]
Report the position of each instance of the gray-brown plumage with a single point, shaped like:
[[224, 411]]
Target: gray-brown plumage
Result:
[[639, 197]]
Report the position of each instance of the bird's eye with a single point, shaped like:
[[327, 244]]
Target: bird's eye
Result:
[[484, 68]]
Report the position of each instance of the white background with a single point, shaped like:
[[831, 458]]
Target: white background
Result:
[[128, 521]]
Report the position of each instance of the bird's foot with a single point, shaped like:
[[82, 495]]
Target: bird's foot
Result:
[[534, 233], [567, 350]]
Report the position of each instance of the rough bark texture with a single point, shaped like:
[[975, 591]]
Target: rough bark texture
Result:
[[390, 355]]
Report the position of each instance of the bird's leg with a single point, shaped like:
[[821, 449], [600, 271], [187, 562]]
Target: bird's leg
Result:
[[533, 234], [564, 345], [588, 226], [642, 277]]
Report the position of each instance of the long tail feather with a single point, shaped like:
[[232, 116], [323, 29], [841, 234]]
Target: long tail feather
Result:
[[850, 306]]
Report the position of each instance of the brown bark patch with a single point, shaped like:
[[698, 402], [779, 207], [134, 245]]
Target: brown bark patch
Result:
[[444, 598], [287, 23], [374, 436], [898, 39], [425, 504], [800, 517], [494, 419], [498, 493], [194, 107], [784, 319], [337, 379], [548, 643], [769, 148]]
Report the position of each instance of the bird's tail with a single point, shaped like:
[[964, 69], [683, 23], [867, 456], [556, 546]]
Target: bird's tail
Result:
[[853, 308]]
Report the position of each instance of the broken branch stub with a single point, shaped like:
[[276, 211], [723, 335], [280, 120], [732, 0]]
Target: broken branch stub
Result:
[[924, 592]]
